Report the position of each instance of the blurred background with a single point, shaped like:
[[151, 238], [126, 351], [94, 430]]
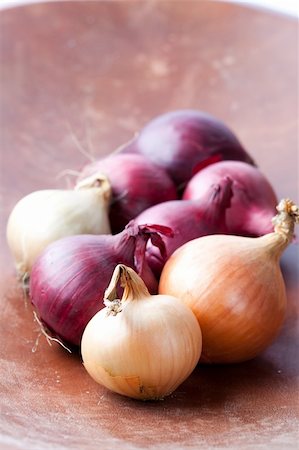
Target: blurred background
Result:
[[290, 7]]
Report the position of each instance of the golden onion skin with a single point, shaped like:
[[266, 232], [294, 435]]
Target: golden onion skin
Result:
[[235, 288], [144, 352]]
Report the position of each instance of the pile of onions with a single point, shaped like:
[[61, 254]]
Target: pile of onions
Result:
[[44, 216], [234, 286], [183, 203], [182, 142], [141, 346], [136, 185], [188, 220], [253, 199], [69, 278]]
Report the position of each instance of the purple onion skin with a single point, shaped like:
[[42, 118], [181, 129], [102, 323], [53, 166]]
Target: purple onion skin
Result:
[[68, 280], [182, 142], [136, 185], [253, 203], [188, 220]]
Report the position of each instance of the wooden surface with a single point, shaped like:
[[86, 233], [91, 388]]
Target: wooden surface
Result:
[[81, 78]]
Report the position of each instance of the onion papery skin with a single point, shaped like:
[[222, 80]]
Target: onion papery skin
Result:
[[45, 216], [188, 220], [253, 198], [151, 361], [235, 288], [182, 142], [136, 185], [68, 280]]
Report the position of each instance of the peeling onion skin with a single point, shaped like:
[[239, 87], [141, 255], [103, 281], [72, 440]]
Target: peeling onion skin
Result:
[[136, 185], [146, 350], [68, 280], [182, 142], [253, 198], [235, 288]]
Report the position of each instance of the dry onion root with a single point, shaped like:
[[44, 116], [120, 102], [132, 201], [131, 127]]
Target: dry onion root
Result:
[[141, 346], [235, 288]]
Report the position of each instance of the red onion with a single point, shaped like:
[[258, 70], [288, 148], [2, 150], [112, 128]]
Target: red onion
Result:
[[188, 220], [68, 280], [183, 142], [136, 185], [253, 203]]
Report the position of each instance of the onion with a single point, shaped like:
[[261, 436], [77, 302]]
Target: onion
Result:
[[141, 346], [188, 220], [69, 278], [136, 185], [235, 287], [253, 202], [45, 216], [183, 142]]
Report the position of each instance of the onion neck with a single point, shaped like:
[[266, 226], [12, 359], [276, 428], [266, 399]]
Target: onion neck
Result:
[[219, 200], [134, 288], [284, 224], [124, 245], [97, 181]]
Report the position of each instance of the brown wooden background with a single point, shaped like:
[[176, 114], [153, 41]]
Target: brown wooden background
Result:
[[77, 80]]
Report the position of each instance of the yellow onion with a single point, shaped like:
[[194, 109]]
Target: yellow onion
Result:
[[235, 288], [141, 346], [47, 215]]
